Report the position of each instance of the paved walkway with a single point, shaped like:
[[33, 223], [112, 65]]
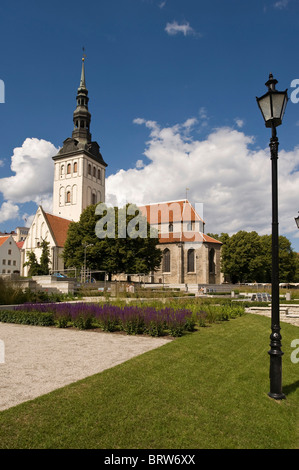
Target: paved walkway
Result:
[[38, 360]]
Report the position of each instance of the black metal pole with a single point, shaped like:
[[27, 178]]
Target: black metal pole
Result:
[[275, 337]]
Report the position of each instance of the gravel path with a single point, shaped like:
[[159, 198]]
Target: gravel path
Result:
[[37, 360]]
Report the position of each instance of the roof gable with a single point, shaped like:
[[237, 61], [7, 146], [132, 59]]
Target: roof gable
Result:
[[59, 228], [169, 212]]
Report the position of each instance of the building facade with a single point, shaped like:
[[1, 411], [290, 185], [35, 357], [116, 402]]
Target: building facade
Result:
[[10, 257], [189, 256]]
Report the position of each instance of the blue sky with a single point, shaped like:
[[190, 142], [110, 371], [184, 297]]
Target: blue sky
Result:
[[172, 87]]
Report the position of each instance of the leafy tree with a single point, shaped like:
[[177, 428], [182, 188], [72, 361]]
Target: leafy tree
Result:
[[45, 258], [39, 268], [32, 262], [102, 236], [247, 256]]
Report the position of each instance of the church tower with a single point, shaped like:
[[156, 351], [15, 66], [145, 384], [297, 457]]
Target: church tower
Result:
[[79, 168]]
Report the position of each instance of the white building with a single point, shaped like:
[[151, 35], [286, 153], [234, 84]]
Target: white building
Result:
[[10, 257]]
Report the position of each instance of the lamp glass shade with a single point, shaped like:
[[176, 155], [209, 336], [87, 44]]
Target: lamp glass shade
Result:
[[272, 106]]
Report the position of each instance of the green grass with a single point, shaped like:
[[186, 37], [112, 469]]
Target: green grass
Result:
[[205, 390]]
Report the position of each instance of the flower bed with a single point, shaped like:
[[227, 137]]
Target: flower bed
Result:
[[130, 319]]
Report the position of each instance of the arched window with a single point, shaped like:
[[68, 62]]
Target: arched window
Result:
[[212, 261], [166, 261], [89, 168], [170, 227], [93, 198], [75, 167], [68, 197], [62, 170], [94, 171], [81, 124], [69, 169], [99, 174], [190, 260]]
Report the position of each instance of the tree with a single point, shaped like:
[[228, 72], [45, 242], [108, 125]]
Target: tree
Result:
[[45, 258], [107, 237], [247, 256], [33, 264], [39, 268]]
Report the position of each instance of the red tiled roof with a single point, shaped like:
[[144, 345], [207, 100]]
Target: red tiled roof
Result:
[[172, 211], [58, 227], [191, 237], [3, 240], [20, 245]]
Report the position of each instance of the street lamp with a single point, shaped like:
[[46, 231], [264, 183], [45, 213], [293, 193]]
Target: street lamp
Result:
[[272, 106]]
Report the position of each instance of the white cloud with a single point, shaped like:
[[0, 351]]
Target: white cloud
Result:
[[222, 172], [139, 164], [175, 28], [32, 166], [8, 211], [281, 4], [239, 122]]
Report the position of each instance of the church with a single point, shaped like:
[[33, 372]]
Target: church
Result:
[[189, 256]]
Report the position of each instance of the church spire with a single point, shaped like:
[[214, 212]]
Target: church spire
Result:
[[82, 116]]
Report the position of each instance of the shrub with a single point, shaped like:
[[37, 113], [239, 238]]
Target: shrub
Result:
[[27, 318]]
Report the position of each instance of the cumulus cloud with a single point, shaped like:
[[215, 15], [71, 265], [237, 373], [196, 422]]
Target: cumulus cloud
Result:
[[8, 211], [32, 166], [175, 28], [222, 172]]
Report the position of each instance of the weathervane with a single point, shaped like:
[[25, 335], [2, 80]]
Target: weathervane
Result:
[[84, 55]]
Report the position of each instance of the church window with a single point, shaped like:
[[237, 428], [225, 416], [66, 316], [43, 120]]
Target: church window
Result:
[[89, 169], [69, 169], [170, 227], [82, 124], [94, 171], [166, 260], [93, 198], [75, 167], [68, 196], [211, 261], [99, 174], [62, 170], [190, 260]]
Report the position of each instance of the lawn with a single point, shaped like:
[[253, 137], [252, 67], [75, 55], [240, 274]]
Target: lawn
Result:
[[205, 390]]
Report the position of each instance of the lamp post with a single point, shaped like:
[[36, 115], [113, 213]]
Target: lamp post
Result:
[[272, 105]]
